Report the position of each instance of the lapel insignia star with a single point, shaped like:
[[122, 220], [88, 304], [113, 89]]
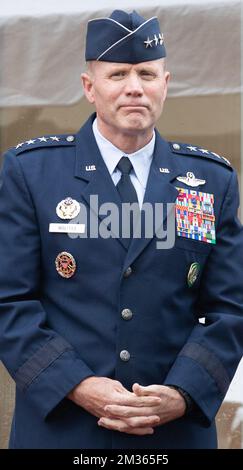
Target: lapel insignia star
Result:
[[191, 180], [29, 142], [55, 138], [42, 139]]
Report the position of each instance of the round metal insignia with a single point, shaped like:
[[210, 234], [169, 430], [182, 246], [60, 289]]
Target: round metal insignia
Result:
[[65, 264], [68, 208], [193, 274]]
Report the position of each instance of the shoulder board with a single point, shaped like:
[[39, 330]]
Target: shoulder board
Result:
[[45, 141], [191, 150]]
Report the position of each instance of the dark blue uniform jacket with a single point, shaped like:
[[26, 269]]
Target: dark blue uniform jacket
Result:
[[57, 331]]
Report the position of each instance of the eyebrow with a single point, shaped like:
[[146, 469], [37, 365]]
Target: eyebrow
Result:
[[126, 67]]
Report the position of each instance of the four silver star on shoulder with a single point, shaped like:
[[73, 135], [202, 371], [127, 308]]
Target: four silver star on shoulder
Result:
[[55, 138]]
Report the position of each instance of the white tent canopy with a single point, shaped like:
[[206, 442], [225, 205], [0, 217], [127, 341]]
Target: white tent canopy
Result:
[[42, 46]]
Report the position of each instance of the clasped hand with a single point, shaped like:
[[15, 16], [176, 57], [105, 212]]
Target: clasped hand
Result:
[[136, 412]]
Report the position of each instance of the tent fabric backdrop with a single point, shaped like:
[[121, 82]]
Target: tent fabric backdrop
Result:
[[42, 47]]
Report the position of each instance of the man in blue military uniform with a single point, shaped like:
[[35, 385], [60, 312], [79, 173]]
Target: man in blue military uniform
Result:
[[105, 336]]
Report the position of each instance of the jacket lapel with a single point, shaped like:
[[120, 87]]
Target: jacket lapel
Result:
[[91, 168], [159, 189]]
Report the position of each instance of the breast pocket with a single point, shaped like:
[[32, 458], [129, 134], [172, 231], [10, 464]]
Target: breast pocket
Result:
[[193, 255]]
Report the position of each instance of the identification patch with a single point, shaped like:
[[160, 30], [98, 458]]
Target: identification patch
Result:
[[67, 228], [195, 217]]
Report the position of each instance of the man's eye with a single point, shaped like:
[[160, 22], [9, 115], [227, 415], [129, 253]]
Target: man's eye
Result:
[[147, 75], [118, 75]]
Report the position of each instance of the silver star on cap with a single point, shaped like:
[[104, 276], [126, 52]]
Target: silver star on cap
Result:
[[42, 139], [161, 39], [29, 142], [148, 43], [156, 39], [55, 138], [190, 180]]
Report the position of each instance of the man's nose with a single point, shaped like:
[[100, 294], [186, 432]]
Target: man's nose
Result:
[[134, 86]]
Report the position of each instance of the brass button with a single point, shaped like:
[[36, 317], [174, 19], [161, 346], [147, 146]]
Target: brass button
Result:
[[126, 314], [128, 272], [125, 355]]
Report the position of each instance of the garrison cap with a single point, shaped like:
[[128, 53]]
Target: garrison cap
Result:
[[124, 37]]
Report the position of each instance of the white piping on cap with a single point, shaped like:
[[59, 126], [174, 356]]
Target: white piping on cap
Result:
[[114, 21], [122, 39]]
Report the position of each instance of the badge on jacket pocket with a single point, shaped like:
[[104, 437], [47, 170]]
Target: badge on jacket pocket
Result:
[[193, 274], [65, 264], [195, 217]]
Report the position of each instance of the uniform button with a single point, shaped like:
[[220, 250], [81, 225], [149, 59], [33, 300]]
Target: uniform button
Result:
[[70, 138], [125, 355], [128, 272], [126, 314], [176, 146]]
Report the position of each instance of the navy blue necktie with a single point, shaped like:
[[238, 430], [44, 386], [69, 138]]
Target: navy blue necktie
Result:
[[124, 186], [126, 189]]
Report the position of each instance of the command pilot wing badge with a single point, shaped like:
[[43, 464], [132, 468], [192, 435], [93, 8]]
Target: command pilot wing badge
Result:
[[190, 180]]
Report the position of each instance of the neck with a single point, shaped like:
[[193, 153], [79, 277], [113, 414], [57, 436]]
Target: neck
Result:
[[127, 142]]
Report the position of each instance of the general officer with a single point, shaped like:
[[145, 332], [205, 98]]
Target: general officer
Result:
[[112, 342]]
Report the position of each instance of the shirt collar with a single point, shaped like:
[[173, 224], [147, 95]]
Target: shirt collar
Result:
[[141, 159]]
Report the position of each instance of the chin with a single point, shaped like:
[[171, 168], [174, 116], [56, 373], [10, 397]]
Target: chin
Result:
[[135, 123]]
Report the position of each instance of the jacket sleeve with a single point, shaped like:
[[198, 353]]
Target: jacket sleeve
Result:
[[43, 364], [206, 364]]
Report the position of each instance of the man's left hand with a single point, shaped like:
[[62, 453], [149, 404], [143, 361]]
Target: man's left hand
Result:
[[124, 418]]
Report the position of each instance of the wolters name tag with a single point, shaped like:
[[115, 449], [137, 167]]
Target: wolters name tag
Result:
[[67, 228]]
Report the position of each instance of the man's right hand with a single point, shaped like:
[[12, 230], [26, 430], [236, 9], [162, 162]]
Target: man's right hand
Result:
[[95, 393]]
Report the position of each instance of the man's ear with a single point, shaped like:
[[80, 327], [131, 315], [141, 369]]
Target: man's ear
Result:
[[167, 79], [87, 83]]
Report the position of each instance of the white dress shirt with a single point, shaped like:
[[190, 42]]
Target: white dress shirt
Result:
[[141, 161]]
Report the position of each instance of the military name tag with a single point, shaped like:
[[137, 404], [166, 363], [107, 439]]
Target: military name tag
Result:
[[195, 217], [67, 228]]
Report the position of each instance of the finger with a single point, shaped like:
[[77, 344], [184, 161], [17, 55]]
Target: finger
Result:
[[134, 400], [121, 426], [119, 411], [151, 390], [142, 421]]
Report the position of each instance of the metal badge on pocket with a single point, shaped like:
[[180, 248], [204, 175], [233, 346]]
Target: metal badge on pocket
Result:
[[65, 264], [193, 274], [68, 208]]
